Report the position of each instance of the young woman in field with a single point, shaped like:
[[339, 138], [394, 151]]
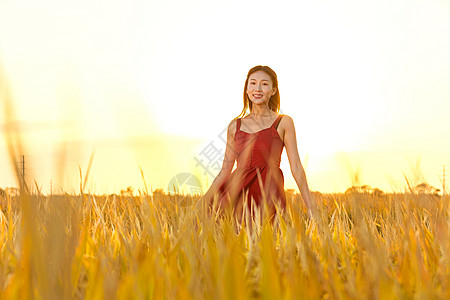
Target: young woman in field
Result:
[[256, 140]]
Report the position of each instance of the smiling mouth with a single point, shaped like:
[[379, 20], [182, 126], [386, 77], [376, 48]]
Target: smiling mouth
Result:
[[258, 96]]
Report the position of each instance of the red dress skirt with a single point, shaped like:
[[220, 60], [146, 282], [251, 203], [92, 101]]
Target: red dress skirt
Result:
[[257, 179]]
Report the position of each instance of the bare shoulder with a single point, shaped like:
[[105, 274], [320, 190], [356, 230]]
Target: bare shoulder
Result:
[[232, 128], [286, 122]]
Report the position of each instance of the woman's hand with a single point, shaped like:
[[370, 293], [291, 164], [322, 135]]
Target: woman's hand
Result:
[[312, 209]]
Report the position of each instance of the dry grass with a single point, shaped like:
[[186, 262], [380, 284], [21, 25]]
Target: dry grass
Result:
[[158, 247], [358, 247]]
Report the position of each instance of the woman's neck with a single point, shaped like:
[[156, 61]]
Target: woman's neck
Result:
[[261, 112]]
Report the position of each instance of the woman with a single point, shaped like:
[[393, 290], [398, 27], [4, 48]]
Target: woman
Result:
[[256, 142]]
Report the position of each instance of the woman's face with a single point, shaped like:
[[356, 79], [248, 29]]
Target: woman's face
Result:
[[260, 87]]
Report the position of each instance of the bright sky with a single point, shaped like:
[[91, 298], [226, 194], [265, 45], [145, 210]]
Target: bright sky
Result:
[[150, 84]]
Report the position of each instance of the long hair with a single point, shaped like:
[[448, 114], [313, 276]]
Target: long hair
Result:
[[274, 101]]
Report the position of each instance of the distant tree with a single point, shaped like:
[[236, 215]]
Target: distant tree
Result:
[[364, 189], [425, 188], [377, 192], [128, 192]]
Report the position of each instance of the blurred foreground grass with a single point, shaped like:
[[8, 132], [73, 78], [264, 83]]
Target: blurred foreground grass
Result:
[[158, 247]]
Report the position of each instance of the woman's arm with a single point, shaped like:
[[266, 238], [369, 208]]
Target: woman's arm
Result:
[[290, 142], [227, 165]]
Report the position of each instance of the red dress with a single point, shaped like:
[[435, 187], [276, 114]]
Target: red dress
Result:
[[257, 178]]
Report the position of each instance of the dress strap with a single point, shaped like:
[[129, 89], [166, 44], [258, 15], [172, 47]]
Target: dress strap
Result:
[[277, 121], [238, 124]]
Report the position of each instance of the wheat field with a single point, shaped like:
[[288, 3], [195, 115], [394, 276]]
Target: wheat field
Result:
[[357, 246]]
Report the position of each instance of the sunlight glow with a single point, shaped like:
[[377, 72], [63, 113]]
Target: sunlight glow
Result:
[[145, 84]]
